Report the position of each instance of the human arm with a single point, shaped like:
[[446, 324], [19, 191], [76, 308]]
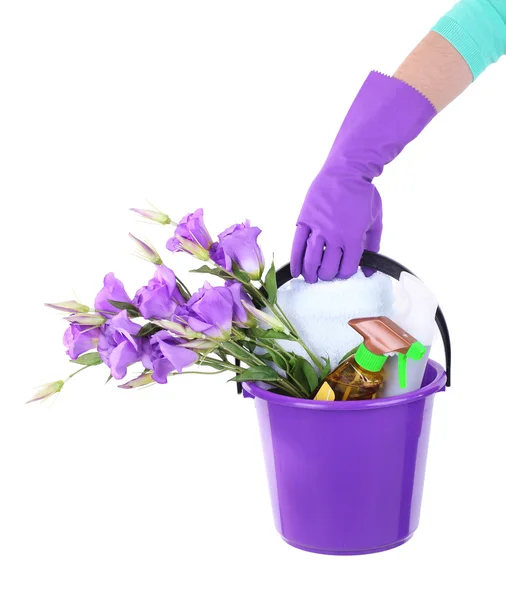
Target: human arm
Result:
[[342, 213]]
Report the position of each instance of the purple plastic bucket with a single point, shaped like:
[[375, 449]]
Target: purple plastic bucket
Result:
[[347, 477]]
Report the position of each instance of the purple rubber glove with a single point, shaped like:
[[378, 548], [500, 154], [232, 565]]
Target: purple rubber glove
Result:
[[341, 215]]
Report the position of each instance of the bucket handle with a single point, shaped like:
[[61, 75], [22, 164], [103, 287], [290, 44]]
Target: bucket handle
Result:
[[388, 266]]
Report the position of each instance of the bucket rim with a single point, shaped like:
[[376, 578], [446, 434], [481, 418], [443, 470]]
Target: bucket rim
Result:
[[436, 385]]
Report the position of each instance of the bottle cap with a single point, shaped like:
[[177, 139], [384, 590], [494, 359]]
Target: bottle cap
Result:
[[368, 360]]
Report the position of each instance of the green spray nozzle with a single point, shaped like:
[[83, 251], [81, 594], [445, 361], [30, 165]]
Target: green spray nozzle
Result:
[[415, 352]]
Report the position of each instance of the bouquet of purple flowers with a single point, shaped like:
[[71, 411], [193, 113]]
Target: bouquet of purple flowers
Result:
[[168, 331]]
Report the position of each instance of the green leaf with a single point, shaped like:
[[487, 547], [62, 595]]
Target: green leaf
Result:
[[270, 334], [278, 358], [218, 271], [236, 351], [148, 329], [348, 354], [242, 276], [257, 374], [303, 372], [108, 379], [132, 310], [310, 373], [90, 359], [250, 346], [326, 370], [182, 289], [271, 285]]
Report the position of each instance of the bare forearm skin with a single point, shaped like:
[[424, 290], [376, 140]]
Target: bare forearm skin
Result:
[[436, 70]]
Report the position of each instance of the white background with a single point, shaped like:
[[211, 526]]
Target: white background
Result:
[[231, 106]]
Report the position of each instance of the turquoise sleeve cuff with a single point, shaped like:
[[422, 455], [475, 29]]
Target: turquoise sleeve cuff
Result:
[[477, 30]]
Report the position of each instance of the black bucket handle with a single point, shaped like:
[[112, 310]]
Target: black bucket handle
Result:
[[388, 266]]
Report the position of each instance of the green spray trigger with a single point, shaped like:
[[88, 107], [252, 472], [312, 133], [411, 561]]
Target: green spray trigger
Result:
[[415, 352]]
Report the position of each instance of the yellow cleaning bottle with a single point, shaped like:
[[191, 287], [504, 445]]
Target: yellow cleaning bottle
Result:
[[360, 376]]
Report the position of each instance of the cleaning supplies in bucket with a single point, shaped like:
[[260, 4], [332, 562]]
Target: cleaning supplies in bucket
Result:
[[321, 312], [361, 375]]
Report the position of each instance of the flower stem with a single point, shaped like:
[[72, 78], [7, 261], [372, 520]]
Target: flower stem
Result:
[[199, 372], [218, 364], [312, 356], [287, 386], [79, 370], [272, 345], [284, 318], [253, 357]]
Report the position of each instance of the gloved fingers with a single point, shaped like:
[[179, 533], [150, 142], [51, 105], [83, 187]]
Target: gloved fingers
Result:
[[298, 249], [312, 258], [330, 263], [372, 242], [352, 253]]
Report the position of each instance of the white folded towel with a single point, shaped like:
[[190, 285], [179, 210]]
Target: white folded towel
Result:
[[320, 311]]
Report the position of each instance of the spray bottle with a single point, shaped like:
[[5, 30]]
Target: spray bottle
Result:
[[414, 310], [361, 375]]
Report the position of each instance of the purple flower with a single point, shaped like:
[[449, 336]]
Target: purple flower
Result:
[[241, 317], [160, 298], [163, 355], [191, 236], [113, 290], [218, 256], [79, 339], [239, 244], [209, 311], [117, 346]]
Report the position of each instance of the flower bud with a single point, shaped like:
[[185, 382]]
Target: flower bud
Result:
[[200, 344], [178, 329], [146, 251], [193, 248], [142, 380], [71, 306], [46, 391], [91, 319], [153, 215], [268, 319]]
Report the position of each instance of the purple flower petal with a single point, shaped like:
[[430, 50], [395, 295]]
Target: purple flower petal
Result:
[[211, 306], [122, 357], [117, 345], [177, 356], [218, 256], [163, 355], [191, 228], [161, 369], [113, 290], [239, 244], [161, 297], [78, 339], [241, 316]]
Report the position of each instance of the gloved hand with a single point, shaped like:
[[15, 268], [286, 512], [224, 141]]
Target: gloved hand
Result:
[[342, 215]]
